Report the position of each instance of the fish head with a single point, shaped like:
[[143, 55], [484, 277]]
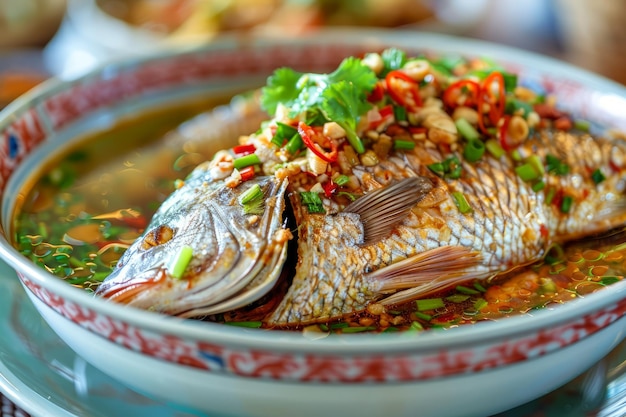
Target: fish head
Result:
[[204, 247]]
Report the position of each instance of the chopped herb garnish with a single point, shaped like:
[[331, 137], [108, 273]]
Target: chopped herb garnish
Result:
[[247, 324], [294, 144], [247, 160], [566, 204], [393, 59], [313, 202], [457, 298], [597, 176], [608, 280], [494, 148], [527, 172], [555, 166], [340, 96], [405, 145], [582, 125], [449, 168], [283, 133], [461, 202], [466, 290], [480, 303], [357, 329], [416, 326], [399, 113], [252, 200], [466, 130], [181, 261], [474, 150], [429, 304], [342, 180], [538, 186]]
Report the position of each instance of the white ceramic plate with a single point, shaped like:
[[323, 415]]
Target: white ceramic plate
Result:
[[40, 373]]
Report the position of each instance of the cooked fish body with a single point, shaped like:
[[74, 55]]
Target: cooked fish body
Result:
[[435, 246]]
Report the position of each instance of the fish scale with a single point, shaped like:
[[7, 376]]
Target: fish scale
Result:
[[504, 228]]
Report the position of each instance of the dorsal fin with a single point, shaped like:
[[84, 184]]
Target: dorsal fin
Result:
[[382, 209], [425, 273]]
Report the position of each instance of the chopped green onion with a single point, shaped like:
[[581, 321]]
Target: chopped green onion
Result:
[[527, 172], [597, 176], [283, 133], [339, 325], [474, 150], [423, 316], [247, 160], [479, 287], [466, 290], [399, 113], [582, 125], [461, 202], [342, 180], [251, 194], [458, 298], [350, 196], [294, 144], [550, 194], [480, 304], [556, 166], [547, 285], [494, 148], [248, 324], [516, 155], [535, 161], [181, 261], [313, 202], [416, 326], [358, 329], [429, 304], [405, 145], [608, 280], [566, 204], [538, 186], [449, 168], [466, 130], [513, 106]]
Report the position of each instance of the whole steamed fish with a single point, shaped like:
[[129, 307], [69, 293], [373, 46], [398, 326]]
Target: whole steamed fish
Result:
[[397, 192]]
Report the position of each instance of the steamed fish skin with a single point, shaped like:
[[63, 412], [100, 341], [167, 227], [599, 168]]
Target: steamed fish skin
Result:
[[436, 247], [230, 250]]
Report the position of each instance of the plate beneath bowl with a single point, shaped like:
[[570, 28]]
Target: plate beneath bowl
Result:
[[40, 373]]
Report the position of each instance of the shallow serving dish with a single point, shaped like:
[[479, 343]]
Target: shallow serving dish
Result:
[[468, 371]]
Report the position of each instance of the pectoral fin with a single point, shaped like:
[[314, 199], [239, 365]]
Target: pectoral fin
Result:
[[425, 273], [382, 209]]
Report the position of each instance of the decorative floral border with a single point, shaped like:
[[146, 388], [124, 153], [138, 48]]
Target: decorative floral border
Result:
[[325, 368]]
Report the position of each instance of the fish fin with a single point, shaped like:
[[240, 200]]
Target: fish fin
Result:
[[382, 209], [425, 273]]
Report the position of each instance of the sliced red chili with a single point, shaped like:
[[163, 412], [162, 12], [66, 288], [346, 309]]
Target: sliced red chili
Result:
[[503, 135], [377, 94], [495, 99], [462, 93], [244, 149], [403, 89], [330, 188], [246, 173], [311, 139]]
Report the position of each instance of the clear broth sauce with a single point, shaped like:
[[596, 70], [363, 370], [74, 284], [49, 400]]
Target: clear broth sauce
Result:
[[83, 210]]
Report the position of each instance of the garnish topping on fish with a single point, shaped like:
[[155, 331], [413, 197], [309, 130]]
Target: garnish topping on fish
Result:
[[404, 177]]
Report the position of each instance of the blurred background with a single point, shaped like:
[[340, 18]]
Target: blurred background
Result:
[[65, 38]]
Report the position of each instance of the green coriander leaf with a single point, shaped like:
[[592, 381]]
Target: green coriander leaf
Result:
[[344, 103], [281, 88], [393, 58]]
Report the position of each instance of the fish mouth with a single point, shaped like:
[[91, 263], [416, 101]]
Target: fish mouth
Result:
[[129, 291]]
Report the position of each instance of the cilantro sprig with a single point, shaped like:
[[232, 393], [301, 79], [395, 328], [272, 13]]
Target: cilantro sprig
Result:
[[340, 96]]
